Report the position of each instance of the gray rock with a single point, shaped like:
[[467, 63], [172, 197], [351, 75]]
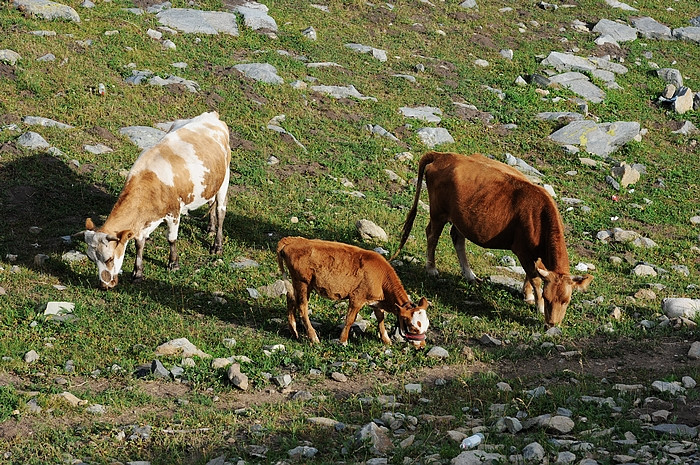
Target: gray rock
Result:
[[522, 166], [599, 139], [683, 100], [559, 424], [568, 62], [96, 409], [676, 430], [566, 116], [673, 388], [534, 452], [47, 57], [619, 32], [644, 270], [377, 53], [671, 76], [437, 352], [323, 421], [490, 341], [256, 17], [199, 22], [261, 72], [377, 437], [238, 379], [468, 4], [680, 307], [32, 141], [688, 129], [478, 457], [46, 9], [424, 113], [432, 137], [341, 92], [302, 452], [9, 56], [98, 149], [158, 370], [620, 5], [339, 377], [513, 425], [143, 136], [565, 458], [46, 122], [31, 356], [377, 129], [191, 86], [687, 33], [282, 380], [310, 33], [694, 351], [651, 29], [626, 174], [580, 85], [369, 231]]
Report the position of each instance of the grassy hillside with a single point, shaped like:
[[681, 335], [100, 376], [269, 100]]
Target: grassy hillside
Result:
[[47, 195]]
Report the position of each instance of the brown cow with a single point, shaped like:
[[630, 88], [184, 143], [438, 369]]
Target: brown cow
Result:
[[495, 206], [341, 271]]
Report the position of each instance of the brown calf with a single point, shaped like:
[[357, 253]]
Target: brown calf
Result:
[[495, 206], [340, 271]]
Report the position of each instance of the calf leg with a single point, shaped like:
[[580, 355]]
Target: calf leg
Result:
[[532, 292], [383, 335], [216, 218], [302, 301], [353, 310], [137, 274], [460, 247], [291, 311], [432, 234]]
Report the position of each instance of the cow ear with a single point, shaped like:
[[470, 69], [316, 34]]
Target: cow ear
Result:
[[581, 282], [423, 302], [125, 235], [89, 225]]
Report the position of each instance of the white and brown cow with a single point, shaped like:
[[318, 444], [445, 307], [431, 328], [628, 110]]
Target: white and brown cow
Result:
[[495, 206], [186, 169], [341, 271]]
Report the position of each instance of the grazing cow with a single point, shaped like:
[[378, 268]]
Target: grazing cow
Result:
[[495, 206], [341, 271], [188, 168]]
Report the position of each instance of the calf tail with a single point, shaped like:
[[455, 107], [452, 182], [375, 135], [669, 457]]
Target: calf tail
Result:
[[408, 224], [280, 262]]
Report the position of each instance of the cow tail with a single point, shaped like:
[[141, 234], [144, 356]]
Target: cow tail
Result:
[[408, 224]]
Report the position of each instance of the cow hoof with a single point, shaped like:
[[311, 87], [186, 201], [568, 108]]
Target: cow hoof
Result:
[[432, 272], [216, 250], [174, 266], [529, 300]]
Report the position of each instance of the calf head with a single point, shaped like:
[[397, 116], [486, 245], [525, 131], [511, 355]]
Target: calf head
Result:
[[556, 292], [107, 251], [413, 321]]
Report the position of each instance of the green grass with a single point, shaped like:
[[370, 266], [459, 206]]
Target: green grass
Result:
[[123, 327]]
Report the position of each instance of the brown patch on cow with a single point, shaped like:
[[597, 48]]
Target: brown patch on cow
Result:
[[7, 72]]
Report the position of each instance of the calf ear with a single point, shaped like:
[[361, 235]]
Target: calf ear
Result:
[[581, 282], [423, 302], [89, 225]]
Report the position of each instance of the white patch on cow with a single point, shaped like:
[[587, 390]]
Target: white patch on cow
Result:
[[420, 320], [173, 223]]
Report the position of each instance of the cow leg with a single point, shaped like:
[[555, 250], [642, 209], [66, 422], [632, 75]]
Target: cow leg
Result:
[[460, 247], [383, 335], [302, 294], [432, 234], [292, 308], [532, 291], [173, 224], [137, 274], [528, 292], [216, 218], [353, 310]]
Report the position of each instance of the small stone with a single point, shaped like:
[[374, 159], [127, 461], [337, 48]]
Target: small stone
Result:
[[437, 352], [31, 356], [238, 379], [339, 377]]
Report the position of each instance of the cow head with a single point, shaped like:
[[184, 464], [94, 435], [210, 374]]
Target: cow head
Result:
[[556, 292], [107, 251], [413, 322]]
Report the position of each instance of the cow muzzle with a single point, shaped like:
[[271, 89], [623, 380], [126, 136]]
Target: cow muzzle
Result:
[[108, 281]]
